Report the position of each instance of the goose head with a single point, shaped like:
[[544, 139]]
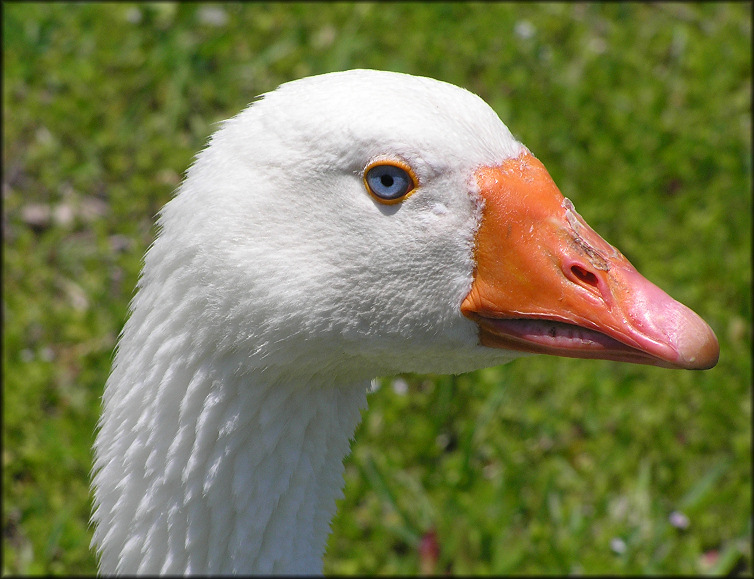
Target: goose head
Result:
[[342, 227], [475, 258]]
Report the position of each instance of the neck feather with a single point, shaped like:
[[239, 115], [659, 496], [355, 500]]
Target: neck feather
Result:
[[204, 466]]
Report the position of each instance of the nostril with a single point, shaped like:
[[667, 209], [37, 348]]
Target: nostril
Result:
[[594, 280], [584, 275]]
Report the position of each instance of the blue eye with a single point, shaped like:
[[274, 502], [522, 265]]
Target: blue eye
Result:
[[389, 183]]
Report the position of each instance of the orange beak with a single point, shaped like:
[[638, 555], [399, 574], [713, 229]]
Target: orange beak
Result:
[[546, 283]]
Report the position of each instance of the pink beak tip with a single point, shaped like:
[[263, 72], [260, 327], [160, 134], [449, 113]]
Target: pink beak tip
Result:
[[698, 348]]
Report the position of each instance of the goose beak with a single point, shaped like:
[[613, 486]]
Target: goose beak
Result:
[[545, 282]]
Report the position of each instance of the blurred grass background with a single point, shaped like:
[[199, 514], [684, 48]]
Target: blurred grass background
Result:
[[642, 114]]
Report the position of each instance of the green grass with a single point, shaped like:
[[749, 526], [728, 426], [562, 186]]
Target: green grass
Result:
[[642, 115]]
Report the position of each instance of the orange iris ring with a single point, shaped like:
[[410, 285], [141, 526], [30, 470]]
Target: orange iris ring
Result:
[[395, 163]]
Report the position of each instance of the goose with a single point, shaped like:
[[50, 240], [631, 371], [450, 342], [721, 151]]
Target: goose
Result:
[[342, 227]]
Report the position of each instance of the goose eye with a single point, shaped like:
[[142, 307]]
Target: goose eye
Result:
[[388, 183]]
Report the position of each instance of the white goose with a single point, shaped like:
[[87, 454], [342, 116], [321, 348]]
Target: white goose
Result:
[[345, 226]]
